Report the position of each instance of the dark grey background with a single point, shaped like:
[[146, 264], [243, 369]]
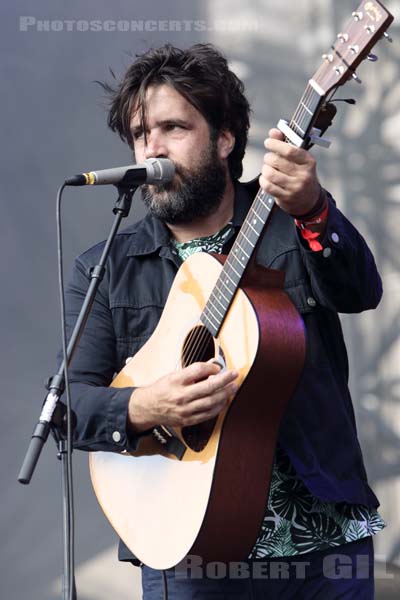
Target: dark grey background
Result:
[[53, 125]]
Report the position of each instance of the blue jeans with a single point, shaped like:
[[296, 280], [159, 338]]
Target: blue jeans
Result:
[[345, 572]]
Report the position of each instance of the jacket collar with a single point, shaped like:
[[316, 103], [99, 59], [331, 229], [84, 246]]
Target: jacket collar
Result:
[[150, 234]]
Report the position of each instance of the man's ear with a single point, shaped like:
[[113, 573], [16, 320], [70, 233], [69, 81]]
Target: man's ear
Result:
[[225, 143]]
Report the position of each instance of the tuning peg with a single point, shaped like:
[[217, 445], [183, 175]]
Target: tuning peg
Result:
[[343, 37], [372, 57], [387, 37], [356, 77]]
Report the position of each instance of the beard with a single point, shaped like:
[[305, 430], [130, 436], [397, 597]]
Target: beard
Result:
[[192, 194]]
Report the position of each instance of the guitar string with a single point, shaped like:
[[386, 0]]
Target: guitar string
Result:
[[301, 112]]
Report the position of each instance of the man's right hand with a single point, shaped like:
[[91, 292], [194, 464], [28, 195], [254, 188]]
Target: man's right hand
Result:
[[194, 394]]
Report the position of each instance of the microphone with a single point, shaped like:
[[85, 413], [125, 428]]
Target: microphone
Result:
[[153, 170]]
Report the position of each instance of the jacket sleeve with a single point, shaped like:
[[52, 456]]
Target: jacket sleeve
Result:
[[101, 411], [343, 275]]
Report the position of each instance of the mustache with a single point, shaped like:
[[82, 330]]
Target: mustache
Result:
[[170, 185]]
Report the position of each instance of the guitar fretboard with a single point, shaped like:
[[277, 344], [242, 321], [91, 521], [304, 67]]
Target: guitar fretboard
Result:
[[306, 112], [222, 295]]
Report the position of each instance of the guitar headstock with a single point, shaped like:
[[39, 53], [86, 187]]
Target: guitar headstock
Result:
[[365, 27]]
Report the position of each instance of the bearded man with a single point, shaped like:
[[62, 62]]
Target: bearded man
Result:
[[189, 107]]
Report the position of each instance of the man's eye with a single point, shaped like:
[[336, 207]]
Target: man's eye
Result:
[[137, 135], [172, 126]]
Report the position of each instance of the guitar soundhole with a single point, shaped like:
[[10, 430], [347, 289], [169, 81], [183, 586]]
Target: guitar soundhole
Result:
[[198, 347]]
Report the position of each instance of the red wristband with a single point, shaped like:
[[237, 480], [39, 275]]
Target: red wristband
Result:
[[317, 220], [318, 225]]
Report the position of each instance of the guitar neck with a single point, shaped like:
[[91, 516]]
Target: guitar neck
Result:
[[235, 265], [242, 250]]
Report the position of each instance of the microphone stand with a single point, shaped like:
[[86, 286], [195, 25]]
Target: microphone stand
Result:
[[53, 415]]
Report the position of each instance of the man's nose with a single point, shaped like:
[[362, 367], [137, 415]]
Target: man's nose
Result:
[[155, 146]]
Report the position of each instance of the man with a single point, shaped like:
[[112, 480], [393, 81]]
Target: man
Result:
[[189, 107]]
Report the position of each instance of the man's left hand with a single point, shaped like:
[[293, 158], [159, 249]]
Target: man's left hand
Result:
[[289, 174]]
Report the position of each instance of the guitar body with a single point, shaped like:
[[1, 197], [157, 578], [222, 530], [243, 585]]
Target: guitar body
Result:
[[211, 502]]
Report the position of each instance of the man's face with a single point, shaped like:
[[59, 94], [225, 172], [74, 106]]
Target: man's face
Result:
[[176, 130]]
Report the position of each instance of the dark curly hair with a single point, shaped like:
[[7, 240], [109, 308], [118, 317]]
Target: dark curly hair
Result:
[[200, 74]]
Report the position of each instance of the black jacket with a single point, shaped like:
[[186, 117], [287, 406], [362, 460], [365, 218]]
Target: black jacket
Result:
[[318, 431]]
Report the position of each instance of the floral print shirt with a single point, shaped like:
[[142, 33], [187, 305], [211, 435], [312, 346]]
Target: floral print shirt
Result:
[[296, 522]]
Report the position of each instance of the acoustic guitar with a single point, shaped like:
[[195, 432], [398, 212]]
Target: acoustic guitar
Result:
[[203, 489]]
